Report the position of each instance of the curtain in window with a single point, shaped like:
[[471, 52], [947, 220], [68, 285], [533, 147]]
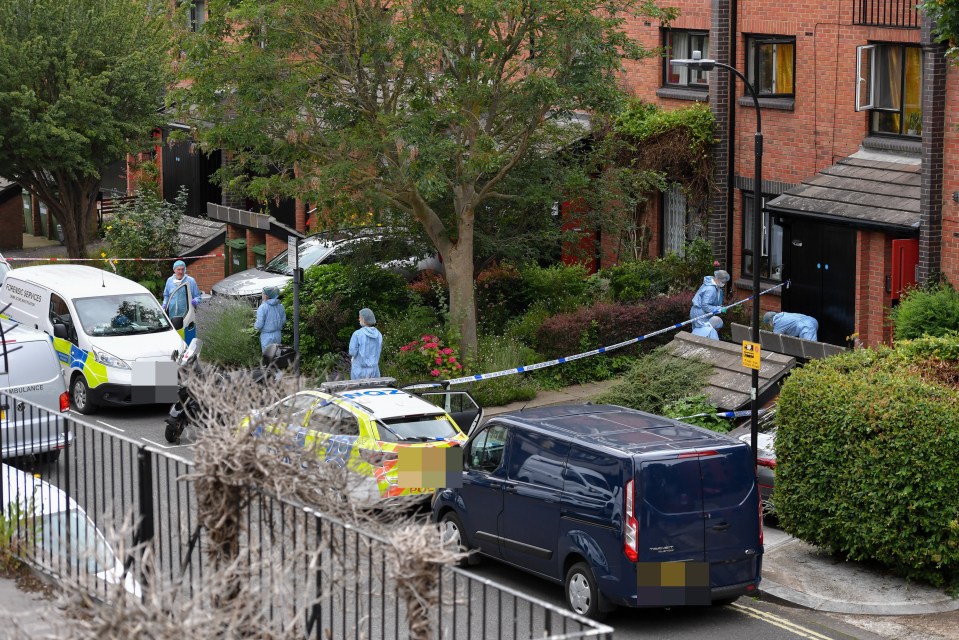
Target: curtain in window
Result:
[[785, 54], [913, 102]]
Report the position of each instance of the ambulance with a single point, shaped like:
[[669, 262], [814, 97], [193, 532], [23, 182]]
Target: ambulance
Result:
[[116, 344]]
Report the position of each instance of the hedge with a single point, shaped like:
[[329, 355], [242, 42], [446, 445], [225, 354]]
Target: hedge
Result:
[[867, 459]]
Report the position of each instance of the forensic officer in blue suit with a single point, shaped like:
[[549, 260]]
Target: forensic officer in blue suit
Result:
[[798, 325]]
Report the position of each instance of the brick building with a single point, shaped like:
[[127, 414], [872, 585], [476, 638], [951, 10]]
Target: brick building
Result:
[[858, 110]]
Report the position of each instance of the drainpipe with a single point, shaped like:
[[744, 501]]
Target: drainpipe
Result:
[[731, 151]]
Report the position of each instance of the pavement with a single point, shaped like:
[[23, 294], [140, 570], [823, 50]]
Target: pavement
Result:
[[794, 573]]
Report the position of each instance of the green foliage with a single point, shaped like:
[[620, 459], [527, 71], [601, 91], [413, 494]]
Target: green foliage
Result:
[[81, 85], [644, 120], [945, 16], [498, 354], [225, 327], [148, 227], [932, 310], [429, 356], [657, 380], [867, 451], [330, 298], [692, 405], [559, 287], [644, 279], [501, 294]]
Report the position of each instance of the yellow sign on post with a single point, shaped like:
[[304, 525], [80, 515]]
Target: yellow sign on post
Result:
[[751, 355]]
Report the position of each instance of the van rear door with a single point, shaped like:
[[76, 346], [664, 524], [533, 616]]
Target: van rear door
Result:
[[731, 510], [670, 501]]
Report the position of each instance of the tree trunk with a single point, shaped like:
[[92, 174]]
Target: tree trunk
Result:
[[74, 212], [459, 275]]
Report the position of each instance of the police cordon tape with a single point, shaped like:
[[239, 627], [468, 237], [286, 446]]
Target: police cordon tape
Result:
[[725, 414], [585, 354], [106, 259]]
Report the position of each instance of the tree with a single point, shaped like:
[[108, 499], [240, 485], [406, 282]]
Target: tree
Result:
[[417, 108], [81, 85], [945, 16]]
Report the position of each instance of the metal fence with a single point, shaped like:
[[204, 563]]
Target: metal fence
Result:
[[310, 575], [887, 13]]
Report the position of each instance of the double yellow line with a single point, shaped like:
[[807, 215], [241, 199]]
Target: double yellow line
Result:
[[778, 621]]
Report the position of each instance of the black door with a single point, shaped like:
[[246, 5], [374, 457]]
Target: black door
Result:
[[184, 165], [820, 261]]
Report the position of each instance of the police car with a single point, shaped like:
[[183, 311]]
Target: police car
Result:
[[366, 424]]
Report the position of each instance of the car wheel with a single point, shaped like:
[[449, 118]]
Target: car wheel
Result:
[[80, 394], [452, 530], [49, 457], [582, 593]]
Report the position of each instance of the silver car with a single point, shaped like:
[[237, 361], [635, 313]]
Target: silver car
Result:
[[31, 377], [393, 252]]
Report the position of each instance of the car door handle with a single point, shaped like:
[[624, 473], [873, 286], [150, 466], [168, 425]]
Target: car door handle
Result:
[[511, 488], [722, 526]]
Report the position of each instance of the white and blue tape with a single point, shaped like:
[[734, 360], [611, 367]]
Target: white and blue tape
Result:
[[585, 354]]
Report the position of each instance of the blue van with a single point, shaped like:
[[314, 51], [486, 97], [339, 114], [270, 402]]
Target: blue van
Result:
[[622, 507]]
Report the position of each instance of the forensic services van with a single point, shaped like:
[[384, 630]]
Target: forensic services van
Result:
[[113, 339]]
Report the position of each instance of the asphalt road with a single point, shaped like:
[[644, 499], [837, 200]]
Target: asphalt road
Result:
[[747, 619]]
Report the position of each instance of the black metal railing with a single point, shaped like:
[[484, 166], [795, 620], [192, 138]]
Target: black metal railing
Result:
[[312, 576], [886, 13]]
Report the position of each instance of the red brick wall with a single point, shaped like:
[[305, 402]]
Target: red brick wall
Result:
[[207, 271], [11, 222], [254, 237], [950, 181], [274, 246], [873, 257]]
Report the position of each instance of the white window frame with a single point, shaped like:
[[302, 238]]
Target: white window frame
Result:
[[866, 57]]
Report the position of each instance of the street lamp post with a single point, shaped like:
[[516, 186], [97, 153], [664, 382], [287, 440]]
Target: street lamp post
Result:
[[705, 64]]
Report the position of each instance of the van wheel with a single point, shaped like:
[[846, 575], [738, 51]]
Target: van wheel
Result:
[[80, 393], [451, 528], [582, 594]]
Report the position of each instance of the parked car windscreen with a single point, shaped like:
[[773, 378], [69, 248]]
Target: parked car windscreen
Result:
[[418, 428], [309, 253], [121, 315]]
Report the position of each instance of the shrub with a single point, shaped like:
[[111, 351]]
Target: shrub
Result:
[[867, 452], [225, 327], [559, 287], [501, 294], [147, 227], [931, 310], [645, 279], [498, 354], [430, 356], [693, 405], [330, 298], [657, 380]]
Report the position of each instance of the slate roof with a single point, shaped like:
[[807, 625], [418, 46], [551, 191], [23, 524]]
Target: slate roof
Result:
[[197, 233], [730, 384], [859, 190]]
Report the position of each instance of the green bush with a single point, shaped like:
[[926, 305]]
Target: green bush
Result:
[[693, 405], [225, 327], [498, 354], [559, 287], [867, 452], [657, 380], [501, 294], [644, 279], [932, 310], [330, 298], [147, 227]]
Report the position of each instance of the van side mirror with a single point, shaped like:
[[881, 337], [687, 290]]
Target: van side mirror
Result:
[[60, 331], [177, 322]]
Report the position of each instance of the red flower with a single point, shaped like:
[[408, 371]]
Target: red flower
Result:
[[447, 351], [435, 372], [405, 348], [459, 366], [439, 360], [451, 360]]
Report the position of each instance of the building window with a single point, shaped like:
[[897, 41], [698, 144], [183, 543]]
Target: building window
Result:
[[771, 244], [681, 223], [889, 86], [771, 65], [197, 14], [681, 44]]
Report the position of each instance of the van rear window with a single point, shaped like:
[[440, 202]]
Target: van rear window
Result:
[[34, 362], [727, 478]]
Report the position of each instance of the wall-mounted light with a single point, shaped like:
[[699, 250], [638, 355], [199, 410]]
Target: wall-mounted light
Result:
[[955, 196]]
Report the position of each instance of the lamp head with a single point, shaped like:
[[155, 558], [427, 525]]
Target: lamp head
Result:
[[696, 62]]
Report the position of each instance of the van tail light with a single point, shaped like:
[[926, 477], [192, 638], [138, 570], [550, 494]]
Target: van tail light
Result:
[[769, 463], [631, 525], [64, 401]]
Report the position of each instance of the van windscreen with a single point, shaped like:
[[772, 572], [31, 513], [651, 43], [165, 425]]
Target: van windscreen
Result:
[[121, 315]]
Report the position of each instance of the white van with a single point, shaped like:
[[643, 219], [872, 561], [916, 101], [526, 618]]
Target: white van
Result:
[[30, 373], [117, 345]]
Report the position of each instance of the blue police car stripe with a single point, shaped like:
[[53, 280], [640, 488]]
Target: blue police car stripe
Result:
[[586, 354]]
